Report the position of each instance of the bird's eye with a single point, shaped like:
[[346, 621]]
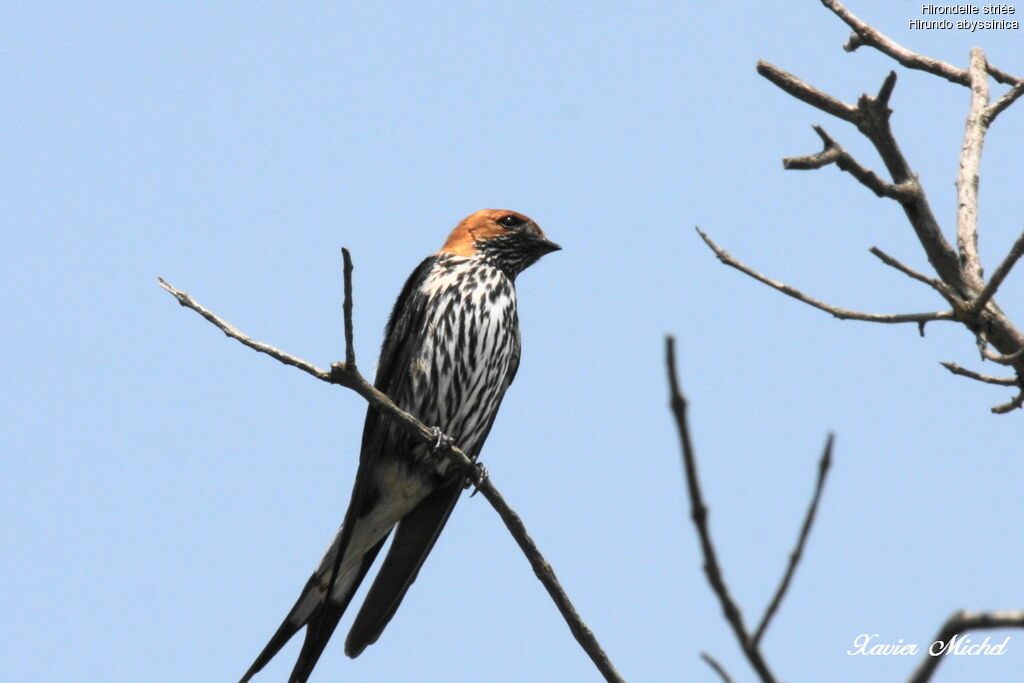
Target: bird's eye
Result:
[[511, 221]]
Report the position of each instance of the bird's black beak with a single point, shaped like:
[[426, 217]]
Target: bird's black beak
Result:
[[546, 246]]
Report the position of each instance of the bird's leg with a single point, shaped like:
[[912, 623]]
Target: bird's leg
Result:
[[436, 451], [442, 442], [478, 477]]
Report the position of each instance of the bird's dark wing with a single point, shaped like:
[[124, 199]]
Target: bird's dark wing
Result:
[[414, 538], [401, 341]]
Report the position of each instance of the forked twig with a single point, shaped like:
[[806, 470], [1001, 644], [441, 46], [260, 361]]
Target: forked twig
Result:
[[960, 274], [699, 515], [749, 643], [798, 550]]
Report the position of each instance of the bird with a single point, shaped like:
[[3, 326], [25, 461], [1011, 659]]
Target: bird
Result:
[[451, 349]]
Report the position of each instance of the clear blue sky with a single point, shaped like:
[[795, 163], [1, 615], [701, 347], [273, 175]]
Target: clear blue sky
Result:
[[164, 492]]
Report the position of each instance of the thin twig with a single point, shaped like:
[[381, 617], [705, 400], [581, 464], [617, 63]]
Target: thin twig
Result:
[[807, 93], [718, 668], [230, 330], [872, 37], [798, 550], [1000, 273], [699, 515], [1008, 98], [1011, 405], [833, 153], [350, 363], [937, 285], [841, 313], [810, 162], [348, 376], [961, 622], [981, 340], [989, 379], [1003, 358], [350, 351]]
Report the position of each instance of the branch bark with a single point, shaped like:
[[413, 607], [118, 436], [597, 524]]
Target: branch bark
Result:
[[805, 531], [960, 273], [347, 375], [863, 34], [841, 313], [716, 667], [699, 515], [967, 178], [961, 622], [749, 642]]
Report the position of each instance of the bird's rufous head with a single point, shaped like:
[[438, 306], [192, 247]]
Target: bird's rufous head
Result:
[[513, 240]]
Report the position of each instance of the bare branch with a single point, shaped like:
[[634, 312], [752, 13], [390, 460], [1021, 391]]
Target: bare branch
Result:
[[872, 37], [1000, 273], [829, 154], [875, 126], [1014, 403], [347, 375], [967, 178], [937, 285], [1003, 359], [1011, 405], [834, 153], [798, 550], [350, 351], [960, 276], [699, 515], [960, 622], [807, 93], [1003, 102], [989, 379], [841, 313], [718, 668], [864, 34], [871, 116], [230, 330]]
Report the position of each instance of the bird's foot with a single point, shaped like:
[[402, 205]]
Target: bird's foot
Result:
[[477, 478], [442, 442]]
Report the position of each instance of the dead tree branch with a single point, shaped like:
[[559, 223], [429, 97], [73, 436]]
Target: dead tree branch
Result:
[[960, 276], [841, 313], [989, 379], [1016, 251], [958, 623], [798, 550], [967, 178], [347, 375], [872, 37], [716, 667], [749, 642], [833, 153], [937, 285]]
